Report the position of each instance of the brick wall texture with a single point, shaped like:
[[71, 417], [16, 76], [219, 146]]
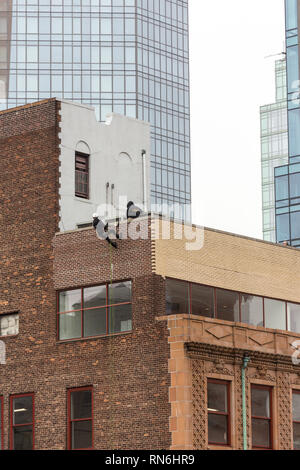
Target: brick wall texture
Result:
[[128, 372]]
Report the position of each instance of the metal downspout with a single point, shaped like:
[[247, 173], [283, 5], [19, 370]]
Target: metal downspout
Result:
[[145, 208], [245, 365]]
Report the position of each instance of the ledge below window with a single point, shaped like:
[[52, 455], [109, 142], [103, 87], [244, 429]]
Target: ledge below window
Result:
[[93, 338]]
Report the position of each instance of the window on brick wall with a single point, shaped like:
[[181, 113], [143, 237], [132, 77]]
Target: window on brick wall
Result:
[[80, 418], [296, 419], [1, 423], [218, 410], [177, 297], [9, 324], [22, 422], [261, 412], [81, 175], [95, 311]]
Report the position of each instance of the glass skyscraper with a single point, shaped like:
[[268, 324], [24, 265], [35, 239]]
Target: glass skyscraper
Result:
[[126, 56], [274, 147], [287, 177]]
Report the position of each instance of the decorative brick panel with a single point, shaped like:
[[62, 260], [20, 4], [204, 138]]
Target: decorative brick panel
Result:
[[199, 406], [285, 434]]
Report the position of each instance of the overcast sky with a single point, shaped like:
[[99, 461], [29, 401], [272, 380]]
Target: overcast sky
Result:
[[230, 79]]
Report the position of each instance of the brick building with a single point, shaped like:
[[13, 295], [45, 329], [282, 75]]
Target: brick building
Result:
[[143, 347]]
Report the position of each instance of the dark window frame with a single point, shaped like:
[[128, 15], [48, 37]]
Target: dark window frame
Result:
[[270, 420], [86, 171], [70, 421], [294, 392], [12, 426], [1, 423], [82, 309], [215, 314], [228, 414]]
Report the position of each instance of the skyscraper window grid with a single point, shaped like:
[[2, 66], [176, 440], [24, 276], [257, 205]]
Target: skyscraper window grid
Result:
[[126, 56], [274, 147]]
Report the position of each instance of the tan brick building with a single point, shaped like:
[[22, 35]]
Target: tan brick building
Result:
[[143, 347]]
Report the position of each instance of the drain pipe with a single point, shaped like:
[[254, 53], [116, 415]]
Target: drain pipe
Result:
[[145, 208], [246, 360]]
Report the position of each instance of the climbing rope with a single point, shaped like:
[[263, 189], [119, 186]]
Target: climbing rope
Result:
[[111, 325]]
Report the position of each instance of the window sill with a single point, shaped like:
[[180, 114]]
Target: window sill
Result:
[[93, 338], [219, 447], [226, 322]]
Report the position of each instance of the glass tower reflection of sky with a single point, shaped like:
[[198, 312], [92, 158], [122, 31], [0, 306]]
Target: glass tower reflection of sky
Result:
[[274, 147], [287, 177], [126, 56]]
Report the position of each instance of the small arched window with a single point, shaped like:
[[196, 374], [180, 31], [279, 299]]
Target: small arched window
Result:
[[82, 175]]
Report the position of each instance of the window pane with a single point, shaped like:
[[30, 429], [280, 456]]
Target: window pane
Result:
[[228, 305], [292, 69], [295, 185], [82, 434], [295, 225], [94, 296], [291, 14], [283, 227], [252, 310], [293, 317], [260, 402], [22, 438], [119, 293], [120, 318], [296, 430], [294, 115], [81, 404], [275, 316], [94, 322], [70, 325], [202, 300], [217, 397], [70, 300], [22, 410], [296, 407], [177, 295], [282, 187], [260, 433], [217, 429], [9, 325]]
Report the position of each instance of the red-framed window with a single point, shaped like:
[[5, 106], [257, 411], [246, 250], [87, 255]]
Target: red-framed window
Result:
[[1, 424], [22, 422], [81, 175], [261, 417], [228, 305], [218, 412], [296, 419], [94, 311], [80, 419]]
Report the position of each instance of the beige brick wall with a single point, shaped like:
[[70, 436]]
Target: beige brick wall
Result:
[[232, 262]]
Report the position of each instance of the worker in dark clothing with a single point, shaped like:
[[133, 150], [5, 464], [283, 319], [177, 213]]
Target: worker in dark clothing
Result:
[[102, 230], [133, 211]]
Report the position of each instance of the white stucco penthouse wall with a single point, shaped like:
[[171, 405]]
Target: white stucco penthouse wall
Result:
[[115, 150]]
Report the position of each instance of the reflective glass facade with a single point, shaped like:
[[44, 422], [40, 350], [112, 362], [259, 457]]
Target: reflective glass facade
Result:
[[287, 177], [287, 189], [274, 148], [126, 56]]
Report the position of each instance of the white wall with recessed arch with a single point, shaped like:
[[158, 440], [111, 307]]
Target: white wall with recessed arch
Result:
[[117, 174]]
